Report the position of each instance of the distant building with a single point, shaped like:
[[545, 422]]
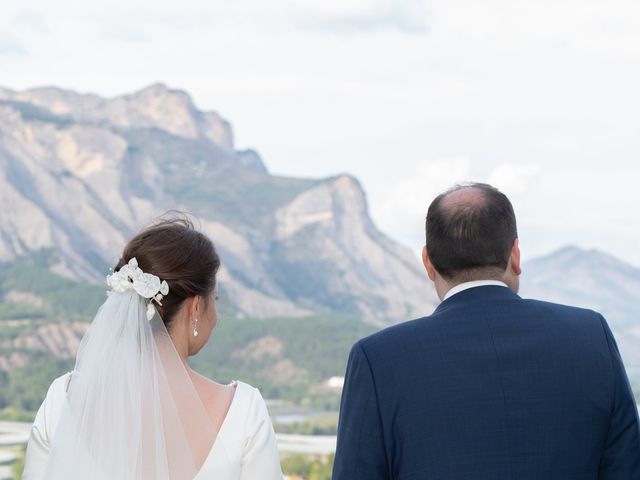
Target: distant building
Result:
[[335, 382]]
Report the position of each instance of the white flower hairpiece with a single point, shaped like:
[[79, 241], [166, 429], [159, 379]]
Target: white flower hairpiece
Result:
[[131, 278]]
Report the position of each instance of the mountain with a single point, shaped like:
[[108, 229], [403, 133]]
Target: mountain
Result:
[[596, 280], [82, 173], [79, 174]]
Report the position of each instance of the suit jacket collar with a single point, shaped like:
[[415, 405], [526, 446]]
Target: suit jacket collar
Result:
[[475, 294]]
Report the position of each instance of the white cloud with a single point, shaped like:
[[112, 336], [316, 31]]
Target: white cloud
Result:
[[513, 179], [10, 45], [362, 15], [410, 196], [401, 211], [29, 22]]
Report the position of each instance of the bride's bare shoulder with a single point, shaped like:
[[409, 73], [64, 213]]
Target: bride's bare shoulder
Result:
[[211, 386], [216, 397]]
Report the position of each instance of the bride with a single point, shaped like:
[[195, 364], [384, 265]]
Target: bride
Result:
[[133, 408]]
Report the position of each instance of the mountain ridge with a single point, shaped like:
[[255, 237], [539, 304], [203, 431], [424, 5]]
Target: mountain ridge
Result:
[[157, 105], [84, 172]]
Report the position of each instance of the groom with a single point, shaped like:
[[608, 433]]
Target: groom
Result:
[[490, 386]]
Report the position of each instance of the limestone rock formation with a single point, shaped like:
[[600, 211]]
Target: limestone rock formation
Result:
[[80, 173]]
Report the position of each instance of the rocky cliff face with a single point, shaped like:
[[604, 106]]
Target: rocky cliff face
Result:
[[154, 107], [80, 174]]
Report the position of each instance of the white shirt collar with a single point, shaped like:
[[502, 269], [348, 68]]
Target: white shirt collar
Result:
[[476, 283]]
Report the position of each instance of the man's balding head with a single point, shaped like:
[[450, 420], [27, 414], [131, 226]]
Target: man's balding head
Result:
[[470, 230]]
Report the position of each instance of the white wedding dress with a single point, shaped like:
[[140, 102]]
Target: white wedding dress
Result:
[[244, 449]]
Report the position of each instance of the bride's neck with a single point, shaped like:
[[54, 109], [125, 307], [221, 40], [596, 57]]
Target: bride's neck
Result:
[[180, 338]]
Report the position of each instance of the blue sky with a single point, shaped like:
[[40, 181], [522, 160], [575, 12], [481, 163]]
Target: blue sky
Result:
[[410, 96]]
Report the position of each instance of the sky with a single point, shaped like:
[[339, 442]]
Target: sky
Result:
[[410, 96]]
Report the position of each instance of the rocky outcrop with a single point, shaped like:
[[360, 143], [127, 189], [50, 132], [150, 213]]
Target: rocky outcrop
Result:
[[156, 106], [79, 174], [328, 252], [60, 340]]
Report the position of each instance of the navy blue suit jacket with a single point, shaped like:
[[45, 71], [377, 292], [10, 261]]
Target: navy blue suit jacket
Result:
[[489, 387]]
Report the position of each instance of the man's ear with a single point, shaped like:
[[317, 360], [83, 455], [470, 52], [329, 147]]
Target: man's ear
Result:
[[515, 258], [428, 265]]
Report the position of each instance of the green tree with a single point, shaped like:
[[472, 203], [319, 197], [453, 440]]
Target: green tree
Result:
[[28, 385]]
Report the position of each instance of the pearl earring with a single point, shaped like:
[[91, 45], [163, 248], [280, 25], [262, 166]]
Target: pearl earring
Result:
[[195, 328]]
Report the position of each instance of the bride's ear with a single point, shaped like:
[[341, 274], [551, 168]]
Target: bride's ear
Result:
[[192, 307]]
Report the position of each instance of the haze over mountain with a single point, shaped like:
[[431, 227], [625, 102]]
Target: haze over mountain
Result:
[[79, 174]]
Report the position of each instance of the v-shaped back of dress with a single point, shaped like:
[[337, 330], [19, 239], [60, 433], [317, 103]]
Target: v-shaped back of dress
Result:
[[244, 449]]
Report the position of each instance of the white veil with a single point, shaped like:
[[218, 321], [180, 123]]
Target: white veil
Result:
[[132, 410]]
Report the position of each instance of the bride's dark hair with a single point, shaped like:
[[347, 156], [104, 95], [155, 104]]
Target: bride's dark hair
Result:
[[173, 250]]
